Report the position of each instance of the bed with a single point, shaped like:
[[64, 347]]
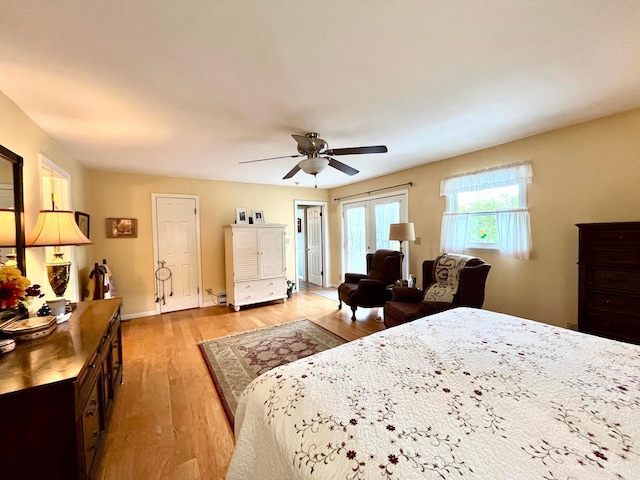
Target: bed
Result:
[[462, 394]]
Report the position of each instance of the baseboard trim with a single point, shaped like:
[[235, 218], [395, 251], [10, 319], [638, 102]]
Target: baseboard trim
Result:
[[150, 313]]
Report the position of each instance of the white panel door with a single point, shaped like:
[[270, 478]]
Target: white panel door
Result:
[[177, 248], [314, 245]]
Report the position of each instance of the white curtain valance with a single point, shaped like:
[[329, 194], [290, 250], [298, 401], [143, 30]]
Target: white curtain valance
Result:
[[517, 173]]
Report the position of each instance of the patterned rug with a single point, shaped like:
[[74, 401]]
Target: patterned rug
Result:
[[234, 361]]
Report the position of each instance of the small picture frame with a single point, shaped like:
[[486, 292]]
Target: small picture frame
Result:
[[122, 227], [82, 219], [258, 216], [242, 216]]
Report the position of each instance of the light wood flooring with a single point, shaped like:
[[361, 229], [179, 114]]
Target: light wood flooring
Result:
[[168, 422]]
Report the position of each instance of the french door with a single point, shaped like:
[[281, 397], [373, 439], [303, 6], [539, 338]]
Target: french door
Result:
[[366, 228]]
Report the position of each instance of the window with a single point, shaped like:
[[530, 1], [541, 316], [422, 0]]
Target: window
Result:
[[488, 210]]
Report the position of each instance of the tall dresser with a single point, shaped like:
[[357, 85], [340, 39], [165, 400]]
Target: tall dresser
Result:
[[57, 394], [255, 264], [609, 280]]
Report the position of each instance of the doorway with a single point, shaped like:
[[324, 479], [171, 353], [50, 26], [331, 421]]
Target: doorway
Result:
[[365, 228], [310, 229], [176, 241]]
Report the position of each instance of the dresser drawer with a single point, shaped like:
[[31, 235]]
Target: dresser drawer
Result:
[[619, 327], [627, 256], [91, 428], [87, 375], [612, 302], [615, 236], [614, 279]]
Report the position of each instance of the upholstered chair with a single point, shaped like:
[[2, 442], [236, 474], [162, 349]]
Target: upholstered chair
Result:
[[384, 267], [408, 304]]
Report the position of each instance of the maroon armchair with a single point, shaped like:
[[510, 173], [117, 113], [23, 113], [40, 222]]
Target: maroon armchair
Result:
[[408, 304], [384, 267]]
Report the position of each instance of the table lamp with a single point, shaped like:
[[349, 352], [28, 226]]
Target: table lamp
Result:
[[57, 228]]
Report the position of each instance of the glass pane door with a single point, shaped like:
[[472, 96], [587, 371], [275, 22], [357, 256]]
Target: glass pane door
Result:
[[355, 238], [366, 228]]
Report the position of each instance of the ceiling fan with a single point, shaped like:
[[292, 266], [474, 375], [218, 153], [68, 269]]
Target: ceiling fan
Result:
[[319, 156]]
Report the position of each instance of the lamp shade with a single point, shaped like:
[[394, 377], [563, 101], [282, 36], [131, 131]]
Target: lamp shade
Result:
[[402, 232], [7, 228], [313, 165], [56, 228]]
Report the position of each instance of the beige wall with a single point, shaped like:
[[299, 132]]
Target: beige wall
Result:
[[584, 173], [21, 135], [128, 195]]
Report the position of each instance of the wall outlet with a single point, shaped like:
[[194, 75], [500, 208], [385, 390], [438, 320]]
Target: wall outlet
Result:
[[417, 241]]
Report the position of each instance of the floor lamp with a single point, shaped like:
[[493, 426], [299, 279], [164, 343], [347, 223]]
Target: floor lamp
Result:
[[57, 228], [402, 232]]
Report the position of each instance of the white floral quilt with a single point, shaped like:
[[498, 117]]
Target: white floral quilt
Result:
[[462, 394]]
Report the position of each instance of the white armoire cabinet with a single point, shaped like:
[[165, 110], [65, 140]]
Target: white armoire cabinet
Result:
[[255, 263]]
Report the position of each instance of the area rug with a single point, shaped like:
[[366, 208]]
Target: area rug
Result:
[[234, 361]]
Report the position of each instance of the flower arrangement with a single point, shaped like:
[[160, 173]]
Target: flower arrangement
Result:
[[16, 291]]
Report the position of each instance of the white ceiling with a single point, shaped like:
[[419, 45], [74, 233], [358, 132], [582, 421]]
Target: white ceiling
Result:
[[191, 88]]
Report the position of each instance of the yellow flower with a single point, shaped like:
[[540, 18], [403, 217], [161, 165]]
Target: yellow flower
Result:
[[13, 287]]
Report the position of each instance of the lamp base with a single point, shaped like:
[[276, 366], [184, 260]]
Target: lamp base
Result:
[[58, 271]]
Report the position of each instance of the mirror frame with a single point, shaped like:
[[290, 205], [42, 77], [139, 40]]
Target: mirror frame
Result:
[[18, 197]]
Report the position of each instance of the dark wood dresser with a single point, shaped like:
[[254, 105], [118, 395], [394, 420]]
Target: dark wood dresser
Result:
[[609, 280], [57, 394]]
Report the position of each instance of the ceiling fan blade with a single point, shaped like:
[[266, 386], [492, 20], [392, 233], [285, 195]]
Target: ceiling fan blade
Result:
[[305, 143], [357, 150], [342, 166], [309, 143], [293, 171], [272, 158]]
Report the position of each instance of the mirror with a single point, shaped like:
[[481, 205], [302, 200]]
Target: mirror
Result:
[[11, 198]]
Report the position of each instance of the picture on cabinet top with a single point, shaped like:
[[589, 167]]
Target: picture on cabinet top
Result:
[[242, 215], [258, 216]]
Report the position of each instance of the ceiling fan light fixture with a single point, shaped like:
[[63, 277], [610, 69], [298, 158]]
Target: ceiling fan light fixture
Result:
[[313, 165]]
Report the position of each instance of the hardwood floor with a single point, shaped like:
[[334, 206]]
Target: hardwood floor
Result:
[[168, 422]]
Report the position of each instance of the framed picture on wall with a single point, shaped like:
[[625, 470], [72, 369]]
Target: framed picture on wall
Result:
[[82, 219], [242, 215], [258, 216], [122, 227]]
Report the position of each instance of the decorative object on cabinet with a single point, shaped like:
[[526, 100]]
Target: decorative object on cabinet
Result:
[[30, 328], [82, 219], [57, 228], [60, 393], [609, 280], [122, 228], [255, 264], [16, 292], [258, 216], [242, 216]]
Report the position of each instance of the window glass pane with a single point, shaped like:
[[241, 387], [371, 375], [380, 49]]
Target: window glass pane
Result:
[[386, 214], [482, 229], [356, 240], [489, 200]]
